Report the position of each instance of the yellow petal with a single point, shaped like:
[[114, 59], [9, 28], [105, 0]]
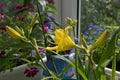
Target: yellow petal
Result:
[[59, 33], [63, 40]]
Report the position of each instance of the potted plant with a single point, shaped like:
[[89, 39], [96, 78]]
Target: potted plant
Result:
[[27, 46]]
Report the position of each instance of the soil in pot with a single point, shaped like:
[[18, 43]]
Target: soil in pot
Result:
[[117, 65]]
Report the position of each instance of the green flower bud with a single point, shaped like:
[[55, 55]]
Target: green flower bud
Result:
[[103, 37]]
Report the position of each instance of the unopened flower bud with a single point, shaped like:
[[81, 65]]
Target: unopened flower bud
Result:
[[13, 33], [103, 37], [83, 42]]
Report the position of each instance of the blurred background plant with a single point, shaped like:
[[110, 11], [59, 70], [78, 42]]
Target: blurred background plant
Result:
[[99, 12]]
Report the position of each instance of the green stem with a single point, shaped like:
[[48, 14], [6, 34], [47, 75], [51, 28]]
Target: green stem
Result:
[[77, 46], [42, 24], [45, 38], [89, 55], [76, 64], [39, 57], [76, 55], [93, 67]]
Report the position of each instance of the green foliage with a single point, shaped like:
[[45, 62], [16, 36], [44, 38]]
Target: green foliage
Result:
[[99, 12]]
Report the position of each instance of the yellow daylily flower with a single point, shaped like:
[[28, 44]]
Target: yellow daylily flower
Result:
[[63, 40], [13, 33]]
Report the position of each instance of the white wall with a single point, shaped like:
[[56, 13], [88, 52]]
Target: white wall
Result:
[[66, 8]]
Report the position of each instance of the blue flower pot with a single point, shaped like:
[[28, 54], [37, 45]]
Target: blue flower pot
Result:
[[60, 65]]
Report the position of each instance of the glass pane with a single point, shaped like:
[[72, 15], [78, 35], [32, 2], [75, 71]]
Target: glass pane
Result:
[[100, 13]]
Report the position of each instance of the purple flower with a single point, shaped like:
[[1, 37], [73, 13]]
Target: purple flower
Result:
[[48, 24], [47, 20], [94, 26], [94, 32], [31, 72], [42, 50], [2, 15], [50, 1], [3, 29], [100, 29], [46, 28], [18, 7], [86, 33], [30, 6], [52, 18], [72, 51], [89, 28]]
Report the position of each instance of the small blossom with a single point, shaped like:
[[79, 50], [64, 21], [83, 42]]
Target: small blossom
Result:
[[48, 24], [100, 29], [31, 72], [30, 6], [46, 28], [1, 6], [94, 26], [72, 51], [18, 7], [52, 18], [86, 33], [89, 28], [2, 15], [94, 32], [50, 1], [42, 50], [47, 20]]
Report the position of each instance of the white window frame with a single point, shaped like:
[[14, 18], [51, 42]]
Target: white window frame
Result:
[[69, 8]]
